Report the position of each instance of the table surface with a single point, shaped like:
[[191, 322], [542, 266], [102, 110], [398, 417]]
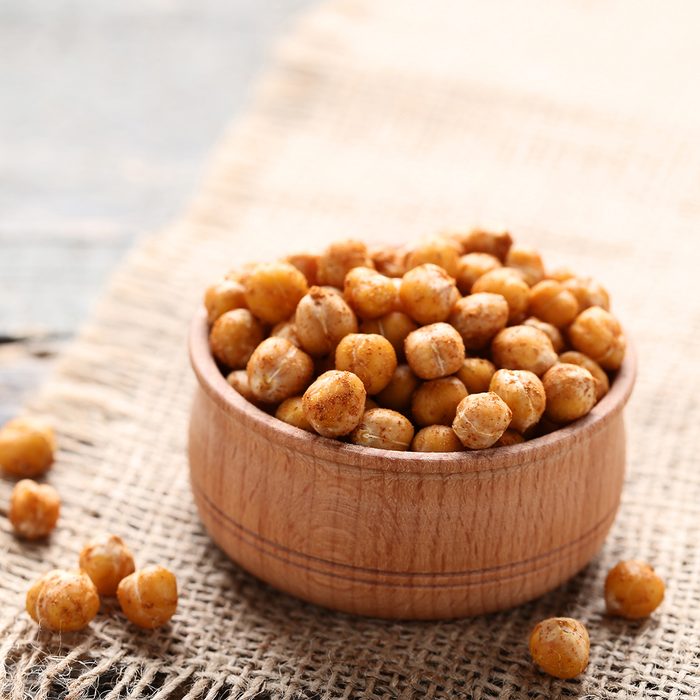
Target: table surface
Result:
[[109, 111]]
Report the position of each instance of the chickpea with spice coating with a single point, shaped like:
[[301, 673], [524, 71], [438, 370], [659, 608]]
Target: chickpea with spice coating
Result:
[[322, 320], [291, 411], [27, 447], [371, 357], [434, 351], [552, 332], [307, 264], [597, 333], [524, 393], [238, 379], [148, 597], [398, 392], [478, 240], [438, 250], [394, 326], [633, 590], [475, 373], [428, 293], [277, 370], [389, 260], [506, 282], [436, 438], [602, 382], [34, 509], [552, 303], [527, 262], [588, 292], [560, 646], [106, 560], [435, 402], [509, 438], [273, 290], [570, 392], [369, 293], [523, 347], [478, 318], [334, 403], [63, 601], [339, 258], [234, 336], [481, 419], [223, 296], [384, 429], [472, 266]]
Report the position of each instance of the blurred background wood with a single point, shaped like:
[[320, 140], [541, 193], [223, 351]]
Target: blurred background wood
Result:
[[108, 111]]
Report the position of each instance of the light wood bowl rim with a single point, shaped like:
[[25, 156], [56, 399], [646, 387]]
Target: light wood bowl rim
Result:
[[473, 462]]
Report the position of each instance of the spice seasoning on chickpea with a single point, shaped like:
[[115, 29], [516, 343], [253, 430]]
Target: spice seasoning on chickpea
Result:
[[273, 290], [291, 411], [506, 282], [277, 370], [633, 590], [435, 402], [588, 292], [371, 357], [238, 379], [560, 647], [334, 403], [472, 266], [481, 420], [527, 262], [148, 597], [478, 318], [597, 333], [286, 330], [602, 383], [339, 258], [322, 320], [552, 303], [439, 250], [234, 336], [27, 447], [552, 332], [475, 373], [523, 392], [510, 437], [389, 260], [223, 296], [307, 264], [570, 392], [434, 351], [523, 347], [496, 243], [34, 509], [384, 429], [106, 560], [369, 293], [428, 293], [398, 392], [436, 438], [394, 326]]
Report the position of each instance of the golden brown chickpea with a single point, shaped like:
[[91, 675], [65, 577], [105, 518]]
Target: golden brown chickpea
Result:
[[238, 379], [428, 293], [506, 282], [307, 264], [560, 647], [240, 274], [552, 332], [588, 292], [106, 560], [597, 333], [559, 274], [633, 590], [438, 250], [527, 262], [435, 402], [496, 243], [434, 351], [234, 336], [472, 266], [398, 392], [523, 347], [334, 403], [602, 383], [223, 296], [481, 420], [34, 509], [389, 260], [524, 394], [510, 437], [395, 327], [27, 447], [552, 303], [277, 370], [63, 601], [570, 391], [369, 293], [286, 330], [384, 429], [475, 373], [273, 290], [478, 318], [339, 258], [322, 320], [436, 438], [370, 356], [291, 411], [148, 597]]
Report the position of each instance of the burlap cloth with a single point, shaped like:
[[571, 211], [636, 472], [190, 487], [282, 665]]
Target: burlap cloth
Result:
[[576, 123]]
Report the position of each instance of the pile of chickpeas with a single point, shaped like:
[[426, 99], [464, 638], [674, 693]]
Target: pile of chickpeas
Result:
[[461, 341]]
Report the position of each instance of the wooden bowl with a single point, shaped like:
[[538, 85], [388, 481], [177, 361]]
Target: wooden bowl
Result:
[[402, 534]]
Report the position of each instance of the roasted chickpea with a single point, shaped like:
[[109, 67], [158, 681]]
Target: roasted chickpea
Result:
[[339, 258], [34, 509], [106, 560], [435, 402], [322, 320], [398, 392], [63, 601], [307, 264], [524, 394], [277, 370], [334, 403], [510, 437], [273, 290], [560, 647], [240, 274], [436, 438], [523, 347], [384, 429], [633, 590], [223, 296], [496, 243], [552, 332], [588, 292], [481, 419], [560, 274], [506, 282], [369, 293], [27, 447], [602, 383], [475, 373], [234, 336], [479, 317], [570, 392], [291, 411], [238, 379], [527, 262], [472, 266], [434, 351], [286, 330], [439, 250], [148, 597], [371, 357], [428, 293], [597, 333], [552, 303], [389, 260], [395, 327]]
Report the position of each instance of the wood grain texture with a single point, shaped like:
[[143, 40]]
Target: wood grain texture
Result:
[[402, 535]]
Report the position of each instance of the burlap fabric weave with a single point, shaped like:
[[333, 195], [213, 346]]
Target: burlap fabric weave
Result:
[[577, 124]]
